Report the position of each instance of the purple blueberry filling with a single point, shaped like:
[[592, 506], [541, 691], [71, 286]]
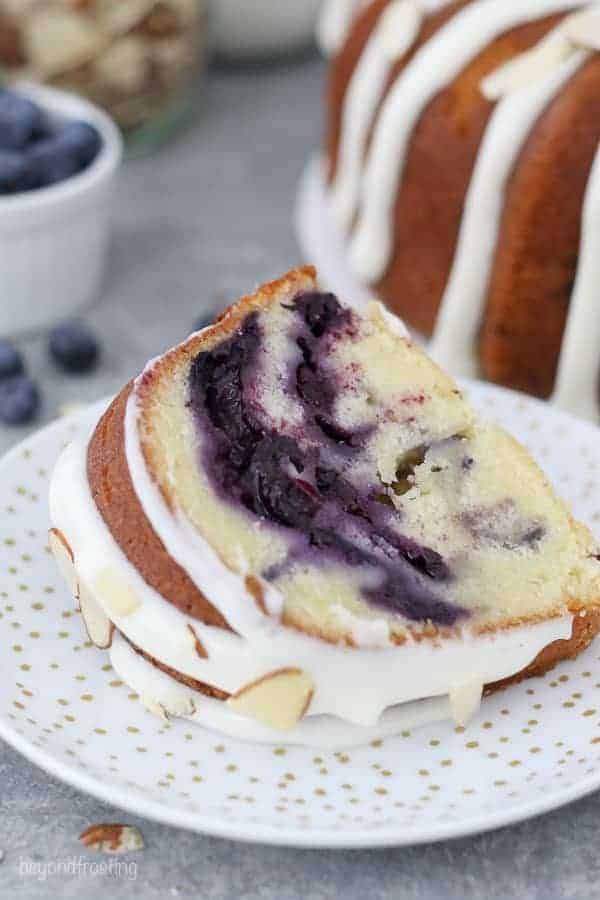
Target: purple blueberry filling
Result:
[[296, 484]]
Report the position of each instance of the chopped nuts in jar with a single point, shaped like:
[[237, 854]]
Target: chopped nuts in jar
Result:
[[136, 58]]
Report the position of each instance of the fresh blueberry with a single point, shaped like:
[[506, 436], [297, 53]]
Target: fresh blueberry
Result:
[[74, 347], [49, 161], [11, 361], [15, 173], [82, 140], [19, 400], [20, 119]]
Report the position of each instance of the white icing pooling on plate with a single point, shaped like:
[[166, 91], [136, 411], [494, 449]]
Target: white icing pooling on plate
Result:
[[351, 684], [577, 378], [454, 343], [433, 67], [327, 732], [394, 34]]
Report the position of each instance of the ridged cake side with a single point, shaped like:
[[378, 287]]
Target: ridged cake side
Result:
[[521, 304]]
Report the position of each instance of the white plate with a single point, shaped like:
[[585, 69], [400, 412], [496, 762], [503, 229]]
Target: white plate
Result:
[[531, 748]]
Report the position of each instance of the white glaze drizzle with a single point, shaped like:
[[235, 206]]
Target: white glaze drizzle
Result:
[[350, 684], [578, 31], [394, 34], [576, 387], [433, 67], [454, 343], [334, 21]]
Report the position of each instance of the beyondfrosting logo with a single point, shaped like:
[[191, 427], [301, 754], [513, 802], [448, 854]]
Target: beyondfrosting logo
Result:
[[77, 867]]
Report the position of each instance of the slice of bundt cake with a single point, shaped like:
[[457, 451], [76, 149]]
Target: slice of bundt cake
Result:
[[295, 515], [460, 147]]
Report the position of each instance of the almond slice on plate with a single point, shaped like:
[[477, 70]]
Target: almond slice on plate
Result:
[[64, 558], [176, 704], [278, 700], [97, 624], [112, 838]]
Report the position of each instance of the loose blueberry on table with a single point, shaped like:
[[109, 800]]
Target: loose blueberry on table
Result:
[[19, 400], [11, 361], [74, 347], [36, 152]]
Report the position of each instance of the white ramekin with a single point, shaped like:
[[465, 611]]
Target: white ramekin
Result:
[[53, 240], [256, 28]]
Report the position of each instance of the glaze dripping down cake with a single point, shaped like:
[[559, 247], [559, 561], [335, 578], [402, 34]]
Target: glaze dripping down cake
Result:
[[463, 167], [294, 522]]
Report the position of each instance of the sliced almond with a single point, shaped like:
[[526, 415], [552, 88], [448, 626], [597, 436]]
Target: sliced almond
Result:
[[583, 29], [112, 838], [64, 559], [254, 588], [464, 701], [278, 700], [18, 7], [174, 703], [157, 709], [97, 624], [117, 594], [85, 5], [198, 645], [119, 18], [60, 40], [187, 10], [527, 67], [125, 65]]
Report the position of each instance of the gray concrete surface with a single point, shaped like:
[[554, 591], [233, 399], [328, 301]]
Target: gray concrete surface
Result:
[[200, 222]]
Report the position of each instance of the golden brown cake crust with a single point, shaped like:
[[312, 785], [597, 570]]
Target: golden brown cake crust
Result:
[[437, 172], [117, 502], [536, 257], [344, 64], [585, 628]]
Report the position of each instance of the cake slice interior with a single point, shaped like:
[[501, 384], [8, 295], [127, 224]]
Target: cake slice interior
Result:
[[297, 503], [323, 452]]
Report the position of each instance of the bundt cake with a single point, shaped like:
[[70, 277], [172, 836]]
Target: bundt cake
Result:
[[294, 522], [460, 149]]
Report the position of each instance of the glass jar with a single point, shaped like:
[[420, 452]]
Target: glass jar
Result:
[[139, 59]]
